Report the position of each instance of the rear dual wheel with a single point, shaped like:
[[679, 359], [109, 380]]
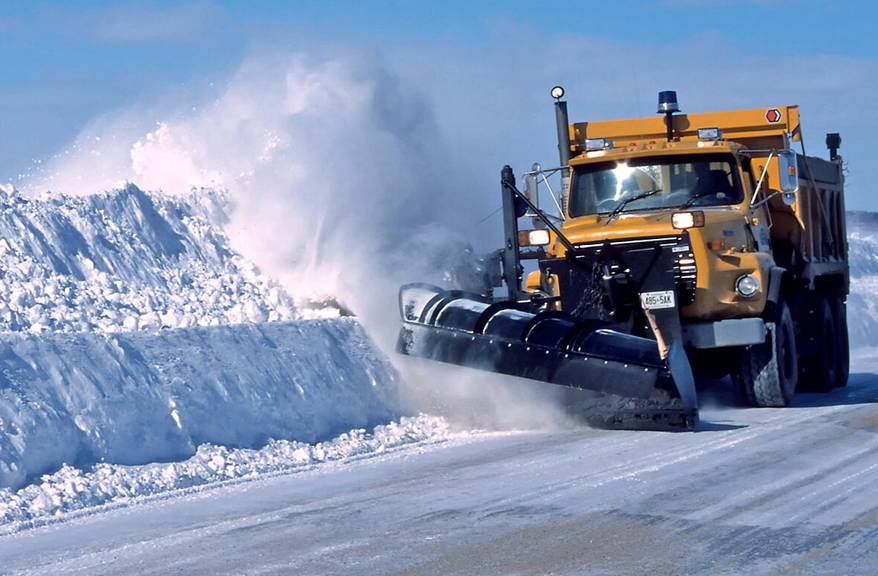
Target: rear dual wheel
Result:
[[840, 312], [829, 366]]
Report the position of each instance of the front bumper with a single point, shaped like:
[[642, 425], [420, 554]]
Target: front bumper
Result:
[[724, 333]]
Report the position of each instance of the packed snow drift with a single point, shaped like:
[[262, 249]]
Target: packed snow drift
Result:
[[133, 333], [126, 260], [132, 398], [863, 299]]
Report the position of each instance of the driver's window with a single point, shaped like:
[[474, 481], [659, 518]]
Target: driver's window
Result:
[[713, 184], [682, 177]]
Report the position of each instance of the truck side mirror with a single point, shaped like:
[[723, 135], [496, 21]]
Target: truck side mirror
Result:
[[532, 185], [788, 167]]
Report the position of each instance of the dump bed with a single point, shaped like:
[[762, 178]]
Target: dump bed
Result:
[[819, 231]]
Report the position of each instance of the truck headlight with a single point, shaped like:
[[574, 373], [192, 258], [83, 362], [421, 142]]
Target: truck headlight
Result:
[[538, 237], [684, 220], [533, 238], [747, 285]]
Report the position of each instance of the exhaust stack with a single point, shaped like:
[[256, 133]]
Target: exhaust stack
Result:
[[563, 124]]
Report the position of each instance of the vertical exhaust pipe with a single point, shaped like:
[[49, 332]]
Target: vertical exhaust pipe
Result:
[[833, 143], [563, 124]]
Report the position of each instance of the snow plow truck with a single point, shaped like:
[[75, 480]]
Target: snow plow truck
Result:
[[679, 247]]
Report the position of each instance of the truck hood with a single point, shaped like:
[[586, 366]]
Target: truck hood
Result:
[[642, 225]]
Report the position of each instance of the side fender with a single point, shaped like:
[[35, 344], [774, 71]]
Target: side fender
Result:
[[775, 293]]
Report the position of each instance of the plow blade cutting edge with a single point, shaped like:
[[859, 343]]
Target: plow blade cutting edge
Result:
[[612, 379]]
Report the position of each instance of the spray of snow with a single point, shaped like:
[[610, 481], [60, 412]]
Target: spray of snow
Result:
[[330, 165], [339, 180], [476, 399]]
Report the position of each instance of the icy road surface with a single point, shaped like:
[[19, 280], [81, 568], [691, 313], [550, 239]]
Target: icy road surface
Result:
[[789, 491]]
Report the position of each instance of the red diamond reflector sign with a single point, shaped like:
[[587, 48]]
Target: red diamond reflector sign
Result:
[[773, 115]]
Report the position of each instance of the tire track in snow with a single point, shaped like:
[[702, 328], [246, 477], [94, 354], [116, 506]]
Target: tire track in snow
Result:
[[664, 451], [790, 499]]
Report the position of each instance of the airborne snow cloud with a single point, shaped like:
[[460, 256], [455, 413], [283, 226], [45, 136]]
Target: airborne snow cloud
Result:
[[331, 164]]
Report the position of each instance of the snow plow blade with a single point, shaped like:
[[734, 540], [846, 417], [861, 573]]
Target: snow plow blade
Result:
[[614, 380]]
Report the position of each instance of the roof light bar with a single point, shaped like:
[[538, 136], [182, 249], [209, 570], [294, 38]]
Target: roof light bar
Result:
[[598, 144], [710, 134]]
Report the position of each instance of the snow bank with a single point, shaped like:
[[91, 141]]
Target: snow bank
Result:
[[130, 332], [70, 489], [135, 398], [863, 299], [126, 260]]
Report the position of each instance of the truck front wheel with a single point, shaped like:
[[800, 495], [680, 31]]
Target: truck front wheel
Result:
[[769, 371]]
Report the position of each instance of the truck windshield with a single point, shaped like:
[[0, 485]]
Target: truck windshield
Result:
[[660, 182]]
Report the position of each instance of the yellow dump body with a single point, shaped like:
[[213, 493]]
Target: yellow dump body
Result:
[[815, 223]]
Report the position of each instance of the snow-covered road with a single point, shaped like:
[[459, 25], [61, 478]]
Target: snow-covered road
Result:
[[789, 491]]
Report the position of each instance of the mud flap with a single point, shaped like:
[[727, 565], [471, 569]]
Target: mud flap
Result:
[[681, 373]]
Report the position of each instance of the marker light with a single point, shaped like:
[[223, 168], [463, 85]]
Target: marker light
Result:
[[747, 285], [683, 220], [597, 144], [557, 92], [533, 238], [710, 134]]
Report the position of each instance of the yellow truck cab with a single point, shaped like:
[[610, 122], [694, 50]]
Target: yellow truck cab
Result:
[[682, 186]]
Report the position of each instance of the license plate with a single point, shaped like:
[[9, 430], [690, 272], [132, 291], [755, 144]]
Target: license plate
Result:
[[658, 300]]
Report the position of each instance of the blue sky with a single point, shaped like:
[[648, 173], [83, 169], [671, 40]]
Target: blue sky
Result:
[[479, 63]]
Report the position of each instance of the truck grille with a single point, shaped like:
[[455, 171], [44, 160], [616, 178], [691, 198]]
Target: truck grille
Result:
[[685, 276], [685, 269]]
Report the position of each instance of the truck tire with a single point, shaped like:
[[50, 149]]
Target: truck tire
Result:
[[769, 371], [843, 370], [820, 371]]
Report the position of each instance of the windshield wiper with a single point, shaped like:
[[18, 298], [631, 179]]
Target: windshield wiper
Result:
[[621, 205], [699, 195]]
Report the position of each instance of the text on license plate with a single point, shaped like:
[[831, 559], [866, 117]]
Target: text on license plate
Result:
[[657, 300]]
